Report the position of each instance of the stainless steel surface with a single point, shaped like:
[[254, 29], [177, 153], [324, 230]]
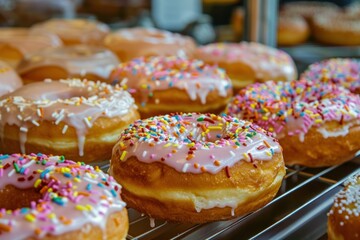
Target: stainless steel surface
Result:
[[297, 212], [261, 21]]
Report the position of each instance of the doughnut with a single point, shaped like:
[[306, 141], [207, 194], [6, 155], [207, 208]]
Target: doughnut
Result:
[[162, 85], [80, 119], [142, 42], [196, 167], [16, 43], [344, 216], [9, 79], [337, 29], [74, 31], [52, 198], [80, 61], [292, 30], [308, 9], [317, 124], [246, 63], [342, 71]]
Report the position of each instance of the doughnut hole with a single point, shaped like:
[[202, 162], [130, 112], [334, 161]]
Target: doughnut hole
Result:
[[41, 73], [10, 54], [13, 198]]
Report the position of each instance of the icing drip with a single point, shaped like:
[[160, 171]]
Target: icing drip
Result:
[[292, 108], [72, 195], [73, 102], [345, 72], [267, 63], [196, 143], [147, 75]]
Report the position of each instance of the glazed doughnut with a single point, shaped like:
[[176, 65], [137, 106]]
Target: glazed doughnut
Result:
[[141, 42], [80, 61], [308, 9], [317, 124], [162, 85], [80, 119], [197, 167], [9, 80], [341, 71], [344, 216], [337, 29], [16, 43], [292, 30], [51, 198], [246, 63], [74, 31]]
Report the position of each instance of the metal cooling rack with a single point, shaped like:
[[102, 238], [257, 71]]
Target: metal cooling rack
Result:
[[297, 212]]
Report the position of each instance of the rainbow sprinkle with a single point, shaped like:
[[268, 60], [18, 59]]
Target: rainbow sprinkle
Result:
[[65, 203], [294, 106], [341, 71], [195, 142]]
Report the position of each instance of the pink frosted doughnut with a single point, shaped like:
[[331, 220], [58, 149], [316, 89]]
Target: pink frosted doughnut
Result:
[[204, 167], [162, 85], [317, 124], [49, 197]]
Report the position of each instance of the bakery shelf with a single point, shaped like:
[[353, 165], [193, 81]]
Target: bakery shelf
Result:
[[297, 212]]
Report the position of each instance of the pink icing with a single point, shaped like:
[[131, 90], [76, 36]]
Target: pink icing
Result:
[[73, 194], [196, 143], [74, 102], [76, 60], [267, 63], [147, 75], [27, 42], [137, 42], [9, 80], [342, 71], [292, 108]]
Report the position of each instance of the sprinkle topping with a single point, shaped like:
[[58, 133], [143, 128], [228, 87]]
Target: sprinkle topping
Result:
[[342, 71], [196, 143], [294, 106], [72, 195], [146, 75]]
